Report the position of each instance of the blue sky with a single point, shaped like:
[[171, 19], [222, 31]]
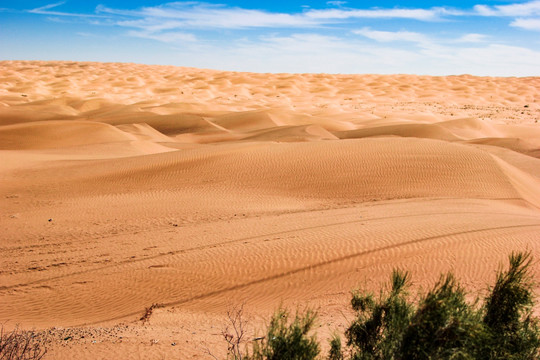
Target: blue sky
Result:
[[495, 38]]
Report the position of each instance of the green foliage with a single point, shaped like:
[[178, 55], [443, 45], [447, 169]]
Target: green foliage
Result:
[[511, 294], [377, 331], [441, 324], [287, 339], [513, 332], [444, 325], [335, 348]]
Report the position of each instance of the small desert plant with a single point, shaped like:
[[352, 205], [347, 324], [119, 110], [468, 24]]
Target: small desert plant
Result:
[[335, 348], [287, 339], [444, 325], [235, 333], [20, 345], [513, 333], [377, 331], [284, 338]]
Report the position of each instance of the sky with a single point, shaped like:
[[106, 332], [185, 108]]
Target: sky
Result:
[[448, 37]]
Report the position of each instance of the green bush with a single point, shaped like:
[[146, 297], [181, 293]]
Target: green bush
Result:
[[444, 325], [441, 324], [377, 331], [336, 352], [512, 331], [287, 340]]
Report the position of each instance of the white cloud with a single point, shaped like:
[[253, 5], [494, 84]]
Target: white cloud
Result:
[[422, 40], [300, 53], [311, 53], [201, 15], [336, 3], [484, 10], [417, 14], [501, 60], [167, 37], [472, 38], [151, 25], [527, 13], [388, 36], [160, 22], [519, 9], [528, 24], [211, 16], [44, 10]]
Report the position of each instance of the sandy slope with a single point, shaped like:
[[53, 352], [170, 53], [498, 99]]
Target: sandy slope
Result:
[[127, 185]]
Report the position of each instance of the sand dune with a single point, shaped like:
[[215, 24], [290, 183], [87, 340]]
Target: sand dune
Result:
[[57, 134], [129, 185]]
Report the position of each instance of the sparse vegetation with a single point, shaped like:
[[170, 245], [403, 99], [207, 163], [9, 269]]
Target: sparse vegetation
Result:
[[235, 333], [21, 345], [513, 333], [285, 338], [441, 324], [335, 352], [149, 311]]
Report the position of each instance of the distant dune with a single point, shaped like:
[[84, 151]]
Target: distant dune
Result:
[[127, 185]]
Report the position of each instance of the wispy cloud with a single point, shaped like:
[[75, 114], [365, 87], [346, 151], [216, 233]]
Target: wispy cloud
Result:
[[527, 14], [336, 3], [422, 40], [200, 15], [209, 16], [169, 22], [472, 38], [318, 53], [342, 14], [313, 52], [389, 36], [530, 8], [167, 37], [528, 24], [45, 10]]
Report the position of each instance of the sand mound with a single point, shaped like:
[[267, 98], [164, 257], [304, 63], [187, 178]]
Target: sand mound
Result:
[[471, 128], [293, 134], [144, 132], [129, 185], [430, 131], [57, 134], [247, 121]]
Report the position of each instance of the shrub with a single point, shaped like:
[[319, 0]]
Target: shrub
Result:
[[20, 345], [335, 348], [442, 324], [377, 331], [513, 332], [287, 339]]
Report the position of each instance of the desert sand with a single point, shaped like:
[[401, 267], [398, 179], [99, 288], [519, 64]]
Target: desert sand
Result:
[[125, 185]]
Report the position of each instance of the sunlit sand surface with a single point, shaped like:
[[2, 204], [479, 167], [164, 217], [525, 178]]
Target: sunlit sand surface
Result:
[[127, 185]]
